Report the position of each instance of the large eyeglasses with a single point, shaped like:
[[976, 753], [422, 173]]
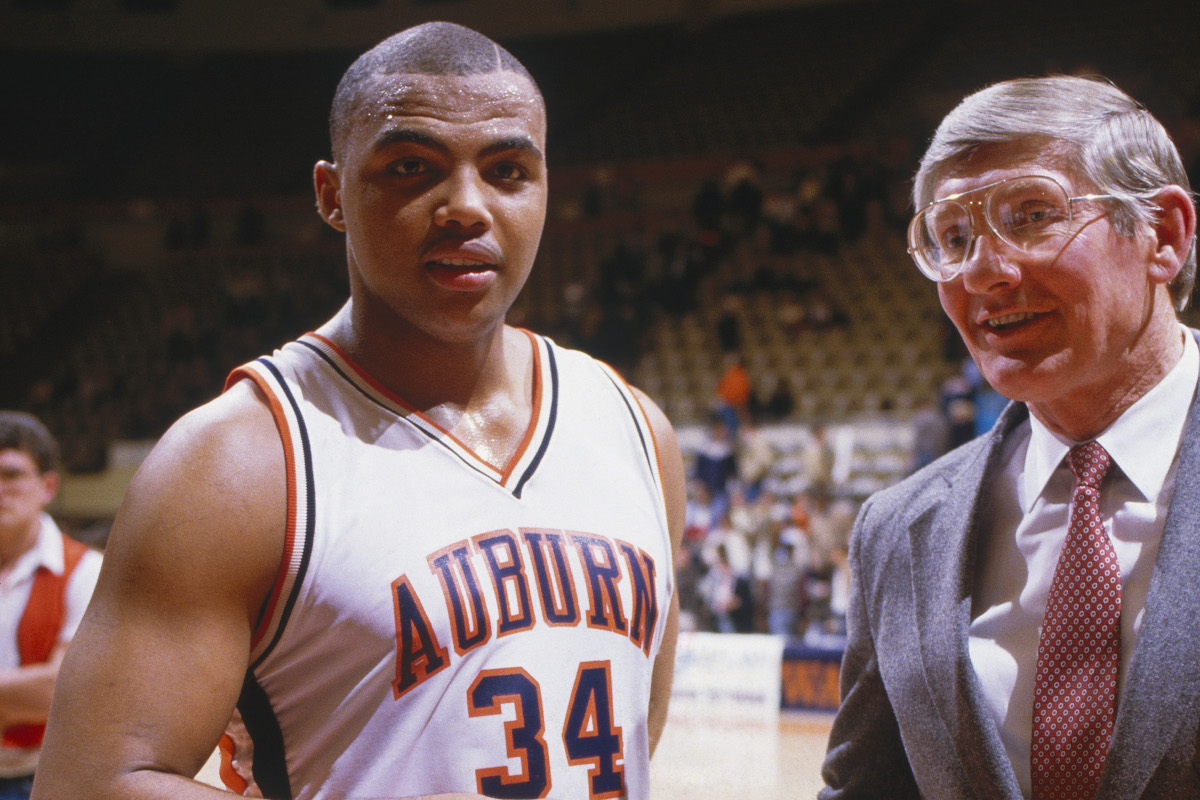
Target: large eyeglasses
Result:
[[1031, 213]]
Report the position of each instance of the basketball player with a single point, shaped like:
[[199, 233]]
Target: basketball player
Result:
[[417, 551]]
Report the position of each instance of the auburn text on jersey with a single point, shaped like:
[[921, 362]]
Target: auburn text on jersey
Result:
[[521, 566]]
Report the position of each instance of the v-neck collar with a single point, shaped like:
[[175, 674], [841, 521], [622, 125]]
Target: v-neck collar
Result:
[[511, 476]]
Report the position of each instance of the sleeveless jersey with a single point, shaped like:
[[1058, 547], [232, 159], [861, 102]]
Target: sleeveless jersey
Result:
[[443, 624]]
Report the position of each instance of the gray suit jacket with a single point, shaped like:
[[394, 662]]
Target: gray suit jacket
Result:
[[912, 721]]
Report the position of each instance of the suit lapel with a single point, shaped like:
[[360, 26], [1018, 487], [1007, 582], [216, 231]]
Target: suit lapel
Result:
[[943, 544], [1164, 674]]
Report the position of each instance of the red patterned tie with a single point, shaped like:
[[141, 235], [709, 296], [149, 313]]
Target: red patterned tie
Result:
[[1075, 695]]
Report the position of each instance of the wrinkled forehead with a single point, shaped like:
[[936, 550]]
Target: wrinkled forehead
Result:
[[992, 162]]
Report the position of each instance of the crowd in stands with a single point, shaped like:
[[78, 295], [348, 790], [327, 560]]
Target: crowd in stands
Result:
[[170, 337], [744, 234], [755, 560]]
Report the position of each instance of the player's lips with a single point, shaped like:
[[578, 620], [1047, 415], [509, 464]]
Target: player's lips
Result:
[[463, 267]]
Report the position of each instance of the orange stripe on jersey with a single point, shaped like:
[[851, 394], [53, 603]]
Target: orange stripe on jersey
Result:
[[503, 472], [650, 429], [536, 412], [364, 375], [285, 435]]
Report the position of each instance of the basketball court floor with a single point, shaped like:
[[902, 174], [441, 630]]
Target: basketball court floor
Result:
[[719, 759], [722, 759]]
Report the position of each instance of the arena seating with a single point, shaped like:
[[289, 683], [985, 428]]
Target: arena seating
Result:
[[116, 320]]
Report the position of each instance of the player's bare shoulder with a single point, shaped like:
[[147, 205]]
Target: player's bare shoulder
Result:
[[212, 494]]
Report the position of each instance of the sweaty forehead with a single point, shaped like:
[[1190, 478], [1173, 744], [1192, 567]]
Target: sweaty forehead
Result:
[[480, 97]]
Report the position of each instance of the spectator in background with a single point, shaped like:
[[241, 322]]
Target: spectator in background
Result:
[[729, 325], [931, 434], [734, 389], [774, 402], [46, 581], [754, 456], [829, 523], [958, 405], [701, 511], [744, 198], [989, 403], [716, 459], [818, 460], [689, 575], [785, 591], [839, 594], [727, 593], [683, 265]]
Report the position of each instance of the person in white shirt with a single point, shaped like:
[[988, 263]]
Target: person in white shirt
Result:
[[46, 581], [1056, 218]]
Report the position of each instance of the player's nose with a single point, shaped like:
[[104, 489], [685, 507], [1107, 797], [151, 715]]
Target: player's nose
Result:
[[464, 201]]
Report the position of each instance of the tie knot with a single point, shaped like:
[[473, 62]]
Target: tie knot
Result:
[[1090, 463]]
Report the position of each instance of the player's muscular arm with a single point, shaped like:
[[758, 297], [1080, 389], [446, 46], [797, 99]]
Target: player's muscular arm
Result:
[[156, 667], [674, 485], [157, 664]]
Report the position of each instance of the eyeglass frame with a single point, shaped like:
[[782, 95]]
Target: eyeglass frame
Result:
[[926, 268]]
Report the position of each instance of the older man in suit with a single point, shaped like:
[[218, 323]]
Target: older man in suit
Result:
[[1017, 631]]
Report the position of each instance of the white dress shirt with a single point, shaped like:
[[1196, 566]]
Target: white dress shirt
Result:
[[1023, 519], [15, 589]]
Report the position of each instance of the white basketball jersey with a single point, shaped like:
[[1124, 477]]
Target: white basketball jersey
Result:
[[442, 624]]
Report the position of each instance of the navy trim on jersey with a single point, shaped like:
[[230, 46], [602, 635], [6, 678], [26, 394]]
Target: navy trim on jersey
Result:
[[310, 520], [551, 417], [435, 438], [269, 765], [646, 450], [354, 384]]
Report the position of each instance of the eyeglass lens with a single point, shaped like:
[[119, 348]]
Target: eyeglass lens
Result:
[[1024, 212]]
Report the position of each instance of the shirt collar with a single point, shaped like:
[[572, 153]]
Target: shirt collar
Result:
[[1142, 441], [46, 552]]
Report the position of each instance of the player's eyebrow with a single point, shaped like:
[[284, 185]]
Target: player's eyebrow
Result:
[[407, 136], [413, 136], [522, 143]]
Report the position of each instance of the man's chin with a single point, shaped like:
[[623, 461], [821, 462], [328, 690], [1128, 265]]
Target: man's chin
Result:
[[1020, 380]]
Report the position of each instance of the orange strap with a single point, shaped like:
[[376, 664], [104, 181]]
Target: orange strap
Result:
[[37, 632]]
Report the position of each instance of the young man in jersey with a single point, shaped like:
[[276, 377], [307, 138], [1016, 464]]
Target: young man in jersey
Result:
[[46, 580], [418, 551]]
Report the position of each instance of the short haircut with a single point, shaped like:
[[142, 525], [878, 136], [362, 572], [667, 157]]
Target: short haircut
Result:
[[25, 432], [433, 48], [1110, 139]]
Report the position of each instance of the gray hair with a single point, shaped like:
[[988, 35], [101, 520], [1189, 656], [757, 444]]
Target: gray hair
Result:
[[1111, 140]]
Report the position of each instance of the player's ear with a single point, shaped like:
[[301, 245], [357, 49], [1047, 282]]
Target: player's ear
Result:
[[327, 183]]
